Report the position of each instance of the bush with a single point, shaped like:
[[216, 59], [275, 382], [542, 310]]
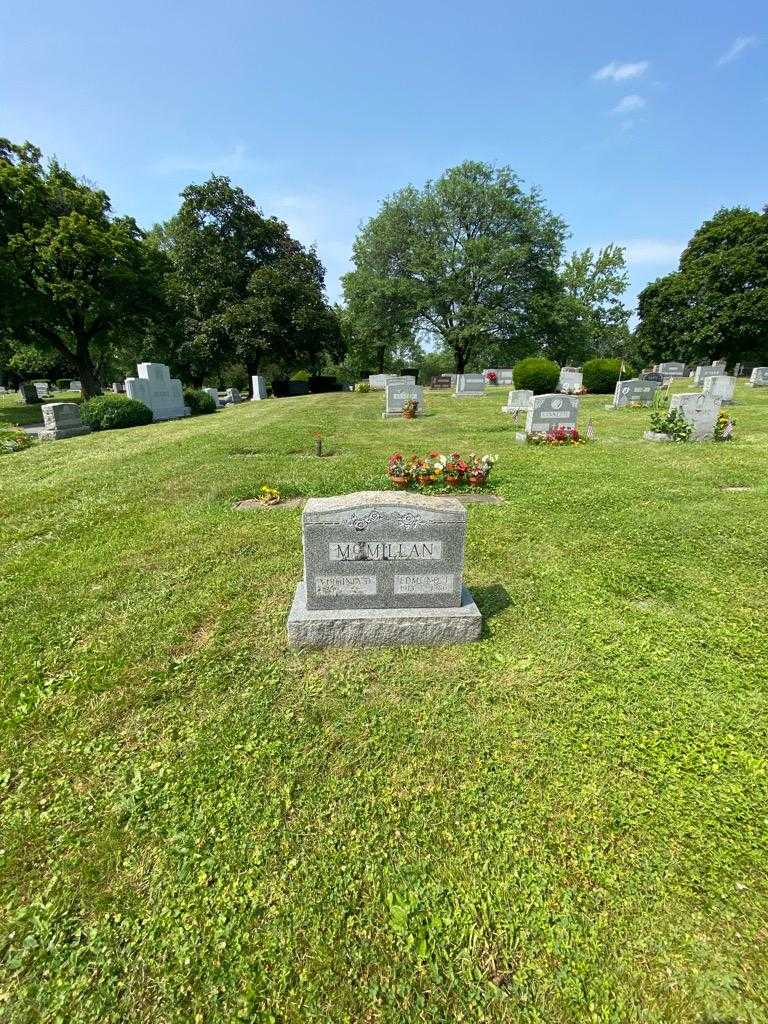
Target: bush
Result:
[[537, 375], [600, 375], [301, 375], [323, 384], [14, 439], [111, 412], [200, 402], [671, 423], [362, 387]]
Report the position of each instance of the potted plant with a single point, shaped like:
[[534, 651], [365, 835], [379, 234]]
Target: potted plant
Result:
[[398, 471], [455, 470], [410, 408]]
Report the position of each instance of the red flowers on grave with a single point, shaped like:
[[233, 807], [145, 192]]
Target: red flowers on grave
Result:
[[435, 468], [492, 377], [558, 436]]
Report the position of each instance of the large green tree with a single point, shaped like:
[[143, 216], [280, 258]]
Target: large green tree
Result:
[[74, 279], [716, 303], [594, 317], [244, 289], [471, 259]]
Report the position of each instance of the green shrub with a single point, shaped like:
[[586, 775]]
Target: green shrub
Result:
[[600, 375], [13, 439], [301, 375], [537, 375], [362, 387], [111, 412], [672, 423], [200, 402]]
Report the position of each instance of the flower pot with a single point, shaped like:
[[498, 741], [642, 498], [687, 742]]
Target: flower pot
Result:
[[453, 481], [425, 481], [477, 479], [409, 414], [400, 481]]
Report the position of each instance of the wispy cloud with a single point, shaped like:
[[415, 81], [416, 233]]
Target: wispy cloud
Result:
[[738, 47], [233, 161], [652, 250], [621, 72], [628, 105]]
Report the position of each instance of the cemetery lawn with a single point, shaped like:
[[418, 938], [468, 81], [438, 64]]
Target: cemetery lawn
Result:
[[14, 413], [566, 821]]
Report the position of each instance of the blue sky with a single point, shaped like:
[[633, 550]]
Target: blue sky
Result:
[[636, 121]]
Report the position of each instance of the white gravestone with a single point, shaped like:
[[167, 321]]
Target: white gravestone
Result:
[[258, 388], [701, 373], [213, 392], [518, 401], [720, 387], [383, 569], [700, 410], [759, 377], [119, 388], [634, 391], [156, 389], [672, 369], [396, 395], [232, 397], [42, 388], [62, 419], [469, 385], [75, 385], [570, 380], [379, 381]]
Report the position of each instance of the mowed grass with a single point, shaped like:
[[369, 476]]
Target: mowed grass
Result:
[[566, 821], [14, 413]]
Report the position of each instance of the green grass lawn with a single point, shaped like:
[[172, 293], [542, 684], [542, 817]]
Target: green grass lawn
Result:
[[566, 821]]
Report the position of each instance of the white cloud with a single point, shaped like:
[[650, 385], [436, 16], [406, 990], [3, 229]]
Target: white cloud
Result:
[[621, 72], [741, 44], [652, 250], [235, 161], [629, 104]]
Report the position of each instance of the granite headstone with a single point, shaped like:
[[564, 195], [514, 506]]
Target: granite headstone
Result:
[[518, 401], [62, 419], [382, 568], [633, 392], [700, 410], [721, 387], [469, 385], [258, 388], [156, 389], [396, 395]]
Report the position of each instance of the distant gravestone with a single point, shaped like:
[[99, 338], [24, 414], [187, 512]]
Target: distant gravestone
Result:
[[396, 395], [28, 395], [657, 378], [700, 410], [759, 377], [634, 391], [158, 391], [505, 377], [549, 411], [382, 568], [258, 388], [701, 373], [42, 387], [75, 385], [518, 401], [720, 387], [232, 397], [214, 393], [442, 382], [721, 365], [469, 385], [118, 387], [62, 419], [570, 380], [672, 369]]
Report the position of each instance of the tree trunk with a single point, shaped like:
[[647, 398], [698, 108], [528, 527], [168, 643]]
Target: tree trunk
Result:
[[252, 368], [197, 380], [460, 358], [380, 353], [89, 377]]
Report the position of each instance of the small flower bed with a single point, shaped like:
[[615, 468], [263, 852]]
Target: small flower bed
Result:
[[558, 436], [492, 377], [438, 469], [14, 440], [269, 495], [724, 426]]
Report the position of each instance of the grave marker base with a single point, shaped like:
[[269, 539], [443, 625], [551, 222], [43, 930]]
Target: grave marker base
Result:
[[383, 627]]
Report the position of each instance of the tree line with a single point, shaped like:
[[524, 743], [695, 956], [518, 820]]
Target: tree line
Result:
[[468, 271]]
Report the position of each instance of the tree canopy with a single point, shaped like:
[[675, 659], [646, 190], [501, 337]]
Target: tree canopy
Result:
[[716, 303], [74, 279], [470, 259], [243, 288]]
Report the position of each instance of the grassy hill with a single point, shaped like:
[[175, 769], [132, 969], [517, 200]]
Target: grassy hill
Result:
[[566, 821]]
